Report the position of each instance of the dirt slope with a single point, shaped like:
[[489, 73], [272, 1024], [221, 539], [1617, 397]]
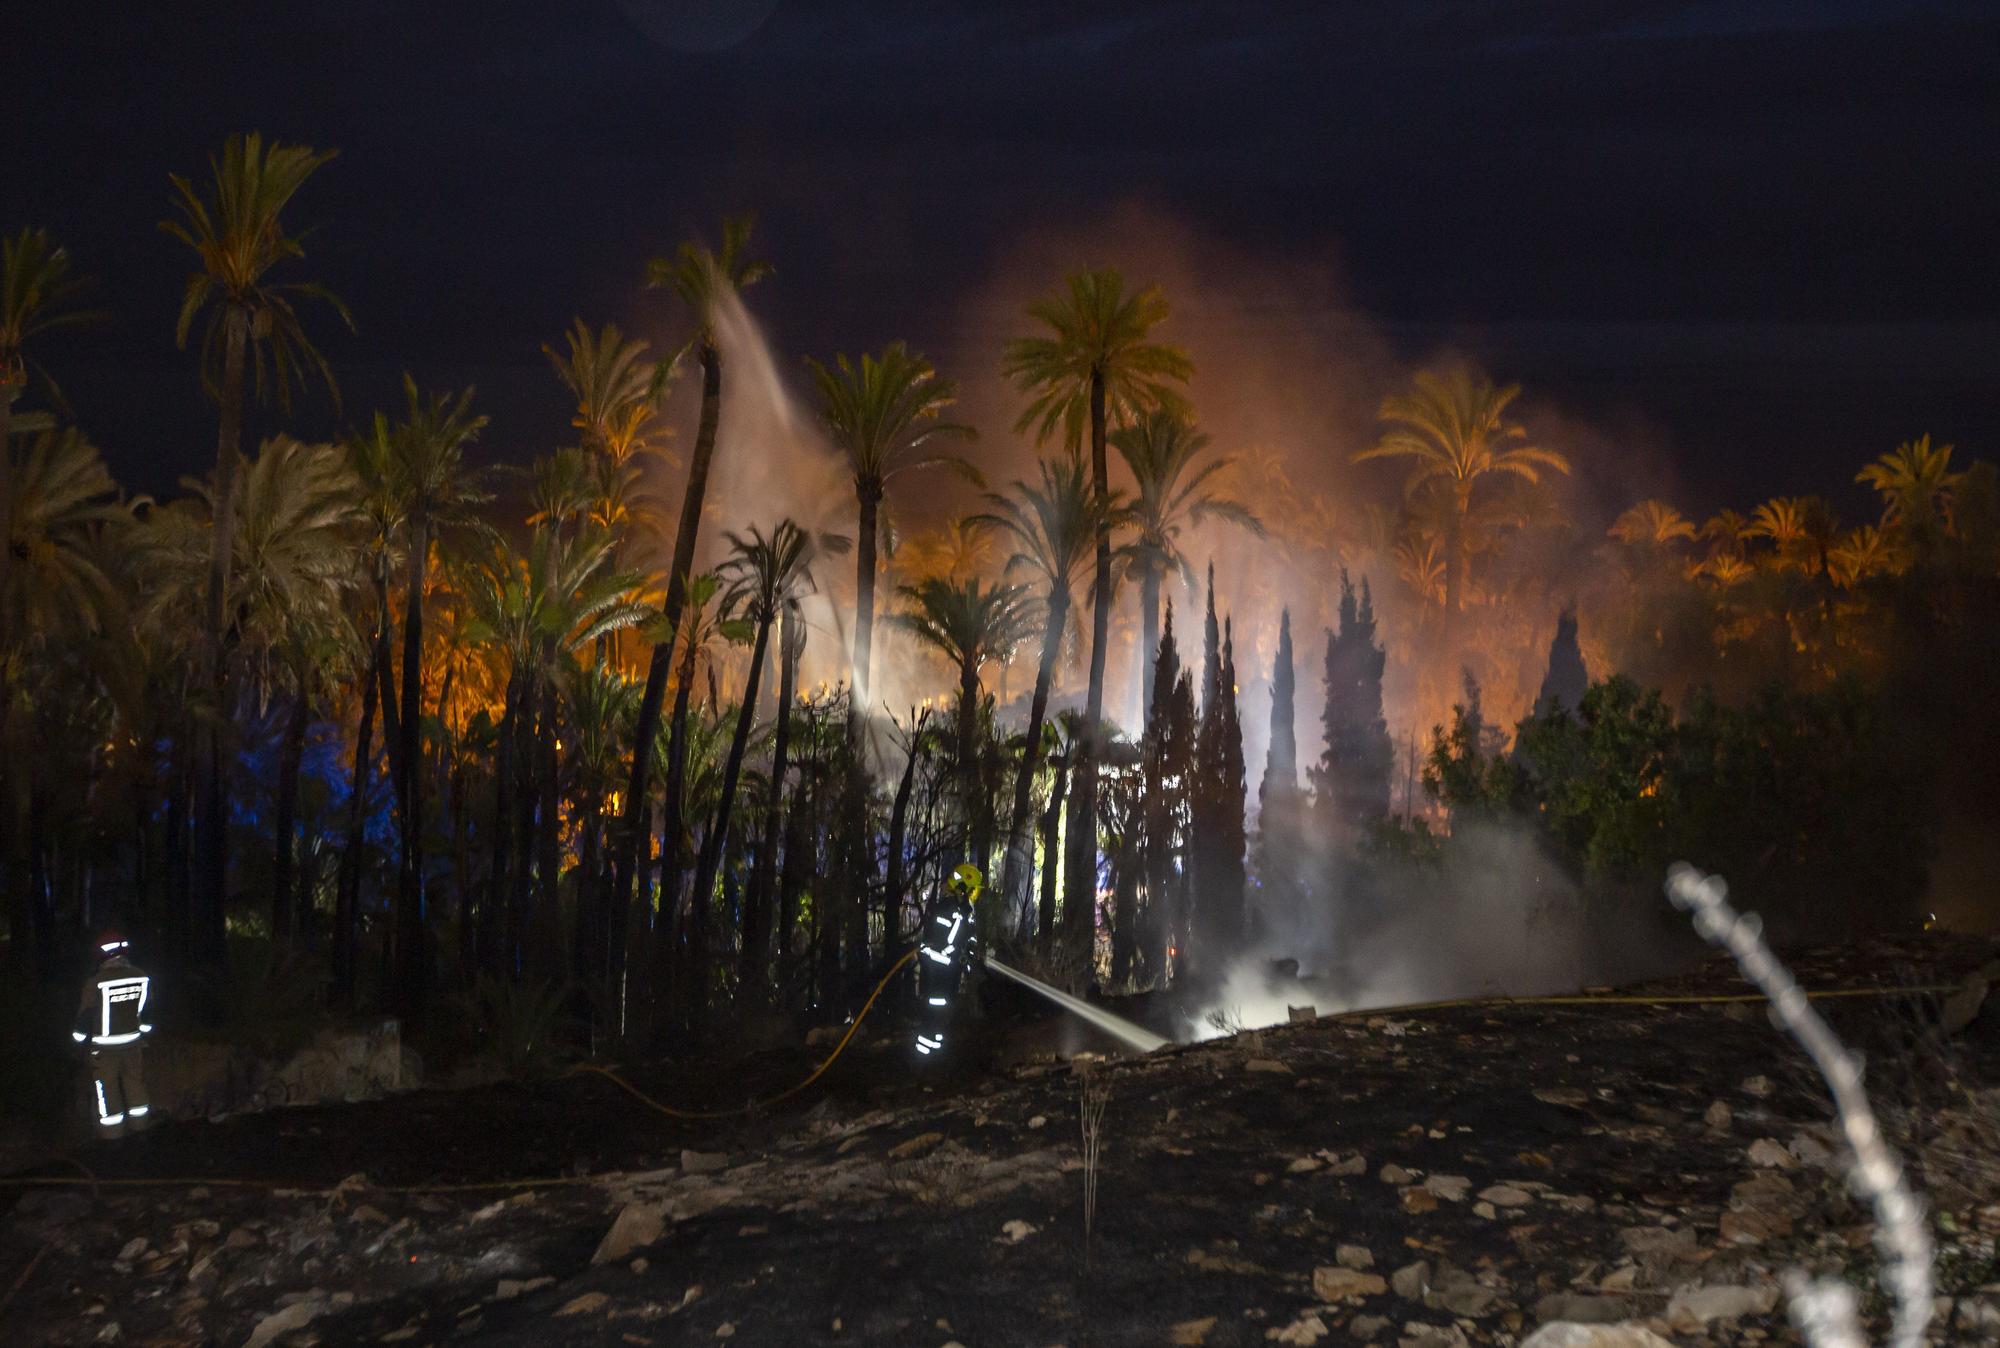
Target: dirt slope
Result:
[[1453, 1176]]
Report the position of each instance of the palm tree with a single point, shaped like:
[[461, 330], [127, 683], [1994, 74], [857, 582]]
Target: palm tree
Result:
[[1455, 427], [64, 594], [1097, 365], [371, 458], [1915, 482], [971, 625], [884, 414], [299, 522], [538, 610], [706, 282], [764, 578], [36, 294], [437, 492], [1725, 531], [1172, 495], [1052, 527], [236, 232], [1651, 533], [618, 391], [1863, 551]]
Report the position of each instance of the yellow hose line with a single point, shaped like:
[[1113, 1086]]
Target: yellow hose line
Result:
[[754, 1105], [486, 1186]]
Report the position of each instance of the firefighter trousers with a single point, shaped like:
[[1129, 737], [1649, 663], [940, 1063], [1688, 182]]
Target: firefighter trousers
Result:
[[118, 1091]]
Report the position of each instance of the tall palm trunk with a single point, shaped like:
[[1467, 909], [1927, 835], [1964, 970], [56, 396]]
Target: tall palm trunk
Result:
[[868, 491], [498, 937], [1019, 867], [899, 823], [751, 974], [702, 899], [1080, 864], [547, 927], [969, 793], [1149, 635], [412, 958], [673, 823], [286, 823], [1455, 556], [1045, 926], [213, 832], [647, 724]]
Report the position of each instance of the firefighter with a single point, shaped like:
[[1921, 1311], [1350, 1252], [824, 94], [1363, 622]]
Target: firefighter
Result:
[[111, 1025], [945, 950]]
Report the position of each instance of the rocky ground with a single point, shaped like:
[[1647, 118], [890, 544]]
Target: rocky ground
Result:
[[1455, 1176]]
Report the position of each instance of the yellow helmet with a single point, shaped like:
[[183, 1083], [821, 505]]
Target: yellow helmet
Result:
[[967, 880]]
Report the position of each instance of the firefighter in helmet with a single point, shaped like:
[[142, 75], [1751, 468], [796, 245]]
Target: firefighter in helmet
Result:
[[945, 950], [111, 1026]]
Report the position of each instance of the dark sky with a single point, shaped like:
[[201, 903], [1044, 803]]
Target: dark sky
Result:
[[1763, 231]]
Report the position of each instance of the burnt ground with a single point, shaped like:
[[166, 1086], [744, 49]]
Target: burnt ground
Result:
[[1457, 1175]]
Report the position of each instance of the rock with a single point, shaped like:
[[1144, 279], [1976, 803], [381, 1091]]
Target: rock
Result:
[[703, 1162], [1453, 1289], [1451, 1188], [1354, 1163], [1962, 1007], [1579, 1309], [1693, 1307], [510, 1288], [1353, 1256], [1366, 1327], [1395, 1174], [821, 1035], [585, 1304], [1418, 1200], [1719, 1116], [1417, 1334], [1331, 1282], [1506, 1196], [637, 1224], [1566, 1097], [1040, 1120], [640, 1265], [1274, 1066], [1304, 1165], [1014, 1232], [725, 1330], [403, 1335], [916, 1146], [1757, 1086], [295, 1316], [1191, 1333], [132, 1249], [1308, 1328], [1411, 1281], [1768, 1151], [1485, 1210], [1300, 1014], [1813, 1152], [1658, 1246], [1563, 1334]]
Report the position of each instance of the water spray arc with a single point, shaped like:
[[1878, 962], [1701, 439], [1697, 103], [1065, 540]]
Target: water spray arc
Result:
[[1144, 1041]]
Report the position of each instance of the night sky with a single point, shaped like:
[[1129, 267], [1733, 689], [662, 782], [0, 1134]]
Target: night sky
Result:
[[1758, 238]]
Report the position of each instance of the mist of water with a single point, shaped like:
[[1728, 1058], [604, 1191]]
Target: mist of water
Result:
[[1124, 1031]]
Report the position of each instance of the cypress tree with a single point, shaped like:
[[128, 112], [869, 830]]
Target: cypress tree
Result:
[[1280, 852], [1167, 769], [1567, 679], [1281, 763], [1352, 779], [1211, 660]]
